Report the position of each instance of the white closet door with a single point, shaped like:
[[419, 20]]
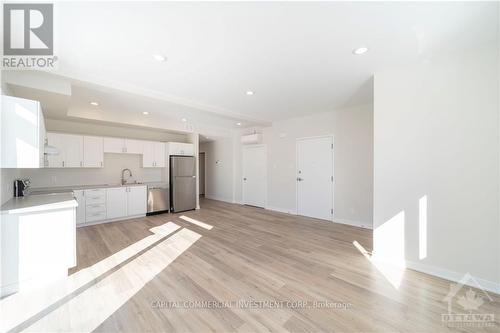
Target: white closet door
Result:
[[315, 177], [254, 175]]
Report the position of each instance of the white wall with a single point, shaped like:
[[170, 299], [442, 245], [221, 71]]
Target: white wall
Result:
[[353, 132], [352, 129], [219, 169], [437, 136]]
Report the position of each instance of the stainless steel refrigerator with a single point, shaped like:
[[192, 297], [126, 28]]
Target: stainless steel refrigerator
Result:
[[182, 183]]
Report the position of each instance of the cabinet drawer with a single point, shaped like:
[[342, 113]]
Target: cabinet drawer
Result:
[[95, 196], [95, 208], [95, 216]]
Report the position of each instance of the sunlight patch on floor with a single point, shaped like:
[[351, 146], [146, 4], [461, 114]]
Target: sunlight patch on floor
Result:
[[89, 309], [196, 222], [20, 307]]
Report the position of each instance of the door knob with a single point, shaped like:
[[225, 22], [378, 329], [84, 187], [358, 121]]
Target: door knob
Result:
[[299, 179]]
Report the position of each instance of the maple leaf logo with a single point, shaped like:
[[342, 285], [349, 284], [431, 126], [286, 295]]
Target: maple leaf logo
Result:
[[471, 301]]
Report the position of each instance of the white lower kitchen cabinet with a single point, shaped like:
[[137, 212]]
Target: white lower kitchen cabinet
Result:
[[136, 200], [110, 204], [116, 202], [80, 210]]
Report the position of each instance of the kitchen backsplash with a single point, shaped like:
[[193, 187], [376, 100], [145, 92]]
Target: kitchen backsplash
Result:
[[109, 174]]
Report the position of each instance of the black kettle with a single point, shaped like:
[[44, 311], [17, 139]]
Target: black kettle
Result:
[[20, 187]]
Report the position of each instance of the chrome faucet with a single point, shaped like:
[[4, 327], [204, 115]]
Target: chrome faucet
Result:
[[123, 175]]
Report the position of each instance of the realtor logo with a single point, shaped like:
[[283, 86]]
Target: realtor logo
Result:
[[28, 36], [469, 301], [28, 29]]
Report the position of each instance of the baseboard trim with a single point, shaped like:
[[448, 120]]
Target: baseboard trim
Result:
[[282, 210], [452, 275], [125, 218], [214, 197], [353, 223]]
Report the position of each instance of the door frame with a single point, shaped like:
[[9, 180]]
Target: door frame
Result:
[[245, 147], [297, 170], [204, 172]]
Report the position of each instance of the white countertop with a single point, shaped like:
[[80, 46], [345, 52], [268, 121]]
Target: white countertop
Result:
[[39, 202]]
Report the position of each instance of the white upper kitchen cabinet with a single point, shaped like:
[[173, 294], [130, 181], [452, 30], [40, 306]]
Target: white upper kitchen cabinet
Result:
[[55, 140], [70, 149], [73, 151], [23, 133], [116, 202], [93, 156], [159, 148], [136, 200], [180, 148], [148, 154], [133, 146], [120, 145], [114, 145], [153, 155]]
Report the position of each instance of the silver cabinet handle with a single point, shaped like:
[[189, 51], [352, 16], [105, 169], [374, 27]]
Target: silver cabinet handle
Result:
[[101, 163], [81, 163], [299, 179], [63, 163], [244, 179]]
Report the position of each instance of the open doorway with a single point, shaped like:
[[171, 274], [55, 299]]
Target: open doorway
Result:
[[201, 164]]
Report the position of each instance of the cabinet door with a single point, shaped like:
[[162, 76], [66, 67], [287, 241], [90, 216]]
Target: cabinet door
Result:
[[20, 129], [116, 202], [137, 200], [73, 151], [55, 140], [114, 145], [133, 146], [148, 154], [93, 152], [80, 210], [159, 154]]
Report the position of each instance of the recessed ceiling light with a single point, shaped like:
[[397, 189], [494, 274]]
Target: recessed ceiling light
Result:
[[249, 92], [94, 103], [238, 124], [159, 57], [145, 113], [184, 120], [360, 50]]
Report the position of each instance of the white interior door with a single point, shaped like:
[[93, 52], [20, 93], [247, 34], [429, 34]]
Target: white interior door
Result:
[[315, 177], [254, 175]]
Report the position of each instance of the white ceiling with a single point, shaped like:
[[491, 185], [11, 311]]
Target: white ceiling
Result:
[[296, 56]]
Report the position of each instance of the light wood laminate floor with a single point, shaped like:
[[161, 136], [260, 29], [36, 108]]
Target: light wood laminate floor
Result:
[[138, 266]]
